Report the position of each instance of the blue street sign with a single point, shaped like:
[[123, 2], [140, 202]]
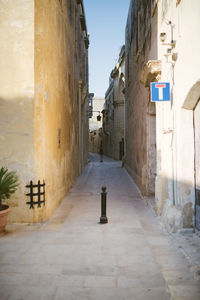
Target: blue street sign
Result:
[[160, 91]]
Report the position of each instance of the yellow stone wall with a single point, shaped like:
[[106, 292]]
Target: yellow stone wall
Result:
[[16, 97], [55, 115], [41, 99]]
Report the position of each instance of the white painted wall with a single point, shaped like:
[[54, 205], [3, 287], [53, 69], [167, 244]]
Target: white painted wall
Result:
[[97, 106], [175, 136]]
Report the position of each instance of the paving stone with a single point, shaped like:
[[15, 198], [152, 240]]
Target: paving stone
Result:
[[172, 262], [72, 256], [186, 291], [100, 281], [18, 279], [112, 294], [151, 281], [178, 277], [6, 290], [32, 293], [64, 293]]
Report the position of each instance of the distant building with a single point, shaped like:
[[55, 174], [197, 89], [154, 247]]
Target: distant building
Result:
[[95, 122], [95, 140], [95, 125], [113, 111]]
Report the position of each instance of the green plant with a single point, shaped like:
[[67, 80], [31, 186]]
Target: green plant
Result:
[[8, 184]]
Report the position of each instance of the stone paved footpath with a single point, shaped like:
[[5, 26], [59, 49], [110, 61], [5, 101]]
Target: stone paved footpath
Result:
[[72, 256]]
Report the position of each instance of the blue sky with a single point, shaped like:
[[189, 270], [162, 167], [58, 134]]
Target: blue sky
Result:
[[106, 21]]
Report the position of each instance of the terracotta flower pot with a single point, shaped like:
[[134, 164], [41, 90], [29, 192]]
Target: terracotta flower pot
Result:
[[4, 217]]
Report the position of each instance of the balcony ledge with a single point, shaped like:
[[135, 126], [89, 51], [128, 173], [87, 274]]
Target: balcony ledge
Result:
[[151, 72]]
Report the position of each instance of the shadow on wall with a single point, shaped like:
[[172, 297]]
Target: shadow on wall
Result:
[[17, 133], [142, 67], [17, 148]]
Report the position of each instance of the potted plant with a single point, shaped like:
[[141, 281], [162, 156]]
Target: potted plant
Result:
[[8, 185]]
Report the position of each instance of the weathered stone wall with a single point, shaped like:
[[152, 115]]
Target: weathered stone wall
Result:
[[44, 96], [141, 38], [108, 120], [17, 97], [118, 131], [113, 119], [119, 110], [54, 111]]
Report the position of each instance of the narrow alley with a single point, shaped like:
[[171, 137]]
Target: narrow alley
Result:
[[72, 256]]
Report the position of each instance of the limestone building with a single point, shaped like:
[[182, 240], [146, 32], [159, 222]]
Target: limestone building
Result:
[[95, 124], [43, 99], [162, 139], [95, 121], [113, 111], [140, 112]]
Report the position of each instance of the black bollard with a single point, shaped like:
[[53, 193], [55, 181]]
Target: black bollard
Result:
[[103, 218]]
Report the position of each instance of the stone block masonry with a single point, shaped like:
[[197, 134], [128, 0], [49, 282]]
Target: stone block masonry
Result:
[[43, 99]]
